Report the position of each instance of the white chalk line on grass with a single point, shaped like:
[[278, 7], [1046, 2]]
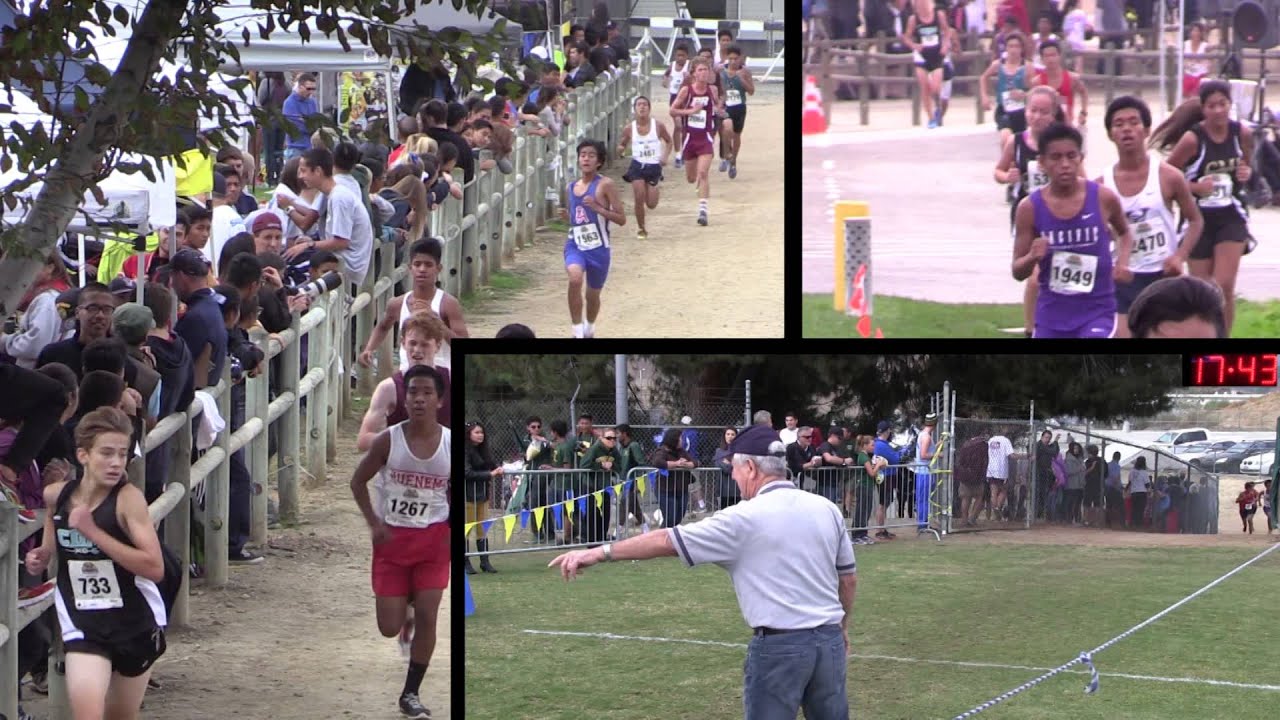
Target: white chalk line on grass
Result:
[[923, 661]]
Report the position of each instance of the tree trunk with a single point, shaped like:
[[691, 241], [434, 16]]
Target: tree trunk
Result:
[[67, 179]]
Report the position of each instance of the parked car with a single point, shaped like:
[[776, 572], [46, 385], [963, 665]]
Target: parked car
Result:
[[1258, 464], [1180, 437], [1192, 451], [1228, 461]]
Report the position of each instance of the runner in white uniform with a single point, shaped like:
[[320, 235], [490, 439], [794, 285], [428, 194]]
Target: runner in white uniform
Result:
[[673, 81], [650, 149], [424, 266], [410, 525], [1147, 188]]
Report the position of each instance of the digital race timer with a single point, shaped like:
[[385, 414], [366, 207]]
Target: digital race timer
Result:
[[1230, 370]]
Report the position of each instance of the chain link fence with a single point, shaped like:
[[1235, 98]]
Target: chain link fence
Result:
[[505, 419]]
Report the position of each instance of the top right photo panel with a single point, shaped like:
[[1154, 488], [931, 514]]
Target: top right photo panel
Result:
[[1040, 169]]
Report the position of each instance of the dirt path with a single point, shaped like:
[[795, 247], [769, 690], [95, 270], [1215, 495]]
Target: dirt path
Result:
[[724, 280], [295, 638]]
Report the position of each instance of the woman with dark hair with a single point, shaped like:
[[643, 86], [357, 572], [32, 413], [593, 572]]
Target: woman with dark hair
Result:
[[723, 459], [479, 473], [1075, 481], [301, 206], [1214, 151], [1139, 482], [672, 490]]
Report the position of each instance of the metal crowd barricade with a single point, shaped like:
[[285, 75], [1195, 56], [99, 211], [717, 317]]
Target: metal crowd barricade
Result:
[[533, 510]]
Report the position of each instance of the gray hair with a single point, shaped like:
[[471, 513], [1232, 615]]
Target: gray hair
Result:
[[769, 465], [762, 417]]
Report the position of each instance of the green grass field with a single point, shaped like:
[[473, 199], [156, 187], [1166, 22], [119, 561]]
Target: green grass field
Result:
[[903, 318], [1008, 604]]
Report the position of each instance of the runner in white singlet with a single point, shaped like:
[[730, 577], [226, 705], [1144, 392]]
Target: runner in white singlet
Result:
[[650, 148], [409, 524], [424, 266]]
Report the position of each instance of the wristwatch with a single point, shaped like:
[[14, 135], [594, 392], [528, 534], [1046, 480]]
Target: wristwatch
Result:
[[608, 552]]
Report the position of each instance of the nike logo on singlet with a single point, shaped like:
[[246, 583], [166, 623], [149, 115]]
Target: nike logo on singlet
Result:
[[1086, 216]]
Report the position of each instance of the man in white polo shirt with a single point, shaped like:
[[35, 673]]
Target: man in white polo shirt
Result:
[[998, 451], [792, 566]]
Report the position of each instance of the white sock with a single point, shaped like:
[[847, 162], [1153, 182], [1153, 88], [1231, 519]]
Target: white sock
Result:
[[589, 329], [702, 205], [577, 330]]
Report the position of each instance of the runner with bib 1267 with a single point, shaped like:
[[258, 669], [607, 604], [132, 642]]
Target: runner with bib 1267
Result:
[[1066, 228]]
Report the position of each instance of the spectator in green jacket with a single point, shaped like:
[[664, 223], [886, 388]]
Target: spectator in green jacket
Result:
[[603, 459], [632, 458]]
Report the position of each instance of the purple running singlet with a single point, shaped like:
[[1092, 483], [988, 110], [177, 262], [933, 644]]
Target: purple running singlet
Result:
[[1077, 293]]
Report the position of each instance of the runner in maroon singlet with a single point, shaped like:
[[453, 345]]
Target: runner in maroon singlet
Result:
[[696, 103]]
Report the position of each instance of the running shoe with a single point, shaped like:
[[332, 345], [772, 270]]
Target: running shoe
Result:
[[39, 683], [245, 557], [885, 535], [11, 496], [29, 596], [702, 218], [933, 123], [406, 638], [679, 162], [411, 707], [641, 234], [733, 169], [724, 164]]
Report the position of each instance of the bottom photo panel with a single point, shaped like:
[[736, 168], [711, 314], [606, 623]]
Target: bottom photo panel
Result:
[[869, 536]]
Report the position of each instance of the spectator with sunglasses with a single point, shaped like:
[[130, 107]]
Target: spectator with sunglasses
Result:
[[604, 459]]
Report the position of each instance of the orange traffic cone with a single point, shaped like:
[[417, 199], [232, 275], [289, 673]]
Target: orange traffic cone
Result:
[[815, 122]]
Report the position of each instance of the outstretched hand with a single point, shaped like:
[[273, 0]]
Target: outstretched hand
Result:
[[573, 563]]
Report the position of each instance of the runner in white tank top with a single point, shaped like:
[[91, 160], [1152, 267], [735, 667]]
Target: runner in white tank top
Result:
[[409, 524], [1147, 188], [424, 269], [673, 81], [649, 152]]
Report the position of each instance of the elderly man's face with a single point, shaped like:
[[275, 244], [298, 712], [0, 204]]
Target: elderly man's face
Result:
[[804, 438]]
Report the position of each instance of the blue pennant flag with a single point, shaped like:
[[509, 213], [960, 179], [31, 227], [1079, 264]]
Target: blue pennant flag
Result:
[[626, 487], [556, 510], [487, 525], [470, 605], [608, 490], [524, 518], [582, 506]]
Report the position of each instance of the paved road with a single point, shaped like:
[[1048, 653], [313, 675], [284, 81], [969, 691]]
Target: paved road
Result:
[[940, 225]]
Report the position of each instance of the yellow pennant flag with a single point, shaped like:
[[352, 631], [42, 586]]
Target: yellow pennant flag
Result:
[[617, 490], [599, 495], [469, 527], [510, 522], [537, 517], [640, 485], [568, 507]]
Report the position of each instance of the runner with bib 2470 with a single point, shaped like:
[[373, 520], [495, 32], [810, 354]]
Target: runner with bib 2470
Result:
[[593, 204], [1147, 189], [1066, 228]]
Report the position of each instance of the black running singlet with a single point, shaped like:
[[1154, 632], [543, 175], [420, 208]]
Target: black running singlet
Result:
[[98, 599], [1219, 160]]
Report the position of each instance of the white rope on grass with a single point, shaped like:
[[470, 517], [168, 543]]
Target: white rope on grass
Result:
[[1086, 657]]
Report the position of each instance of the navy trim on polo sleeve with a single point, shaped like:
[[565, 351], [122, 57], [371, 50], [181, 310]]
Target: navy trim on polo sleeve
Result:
[[849, 569], [681, 550]]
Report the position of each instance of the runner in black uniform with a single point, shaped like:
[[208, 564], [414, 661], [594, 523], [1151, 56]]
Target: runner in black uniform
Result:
[[925, 38], [1214, 152], [108, 573]]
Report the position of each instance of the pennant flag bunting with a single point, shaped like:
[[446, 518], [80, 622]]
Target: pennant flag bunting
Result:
[[537, 517], [599, 496], [524, 519], [510, 522]]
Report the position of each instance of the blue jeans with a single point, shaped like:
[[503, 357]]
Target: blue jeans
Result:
[[923, 485], [673, 506], [805, 669]]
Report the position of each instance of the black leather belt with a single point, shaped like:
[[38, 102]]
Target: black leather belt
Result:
[[762, 631]]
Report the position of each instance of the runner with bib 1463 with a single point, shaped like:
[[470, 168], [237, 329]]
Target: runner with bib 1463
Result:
[[1066, 228], [593, 204], [650, 149]]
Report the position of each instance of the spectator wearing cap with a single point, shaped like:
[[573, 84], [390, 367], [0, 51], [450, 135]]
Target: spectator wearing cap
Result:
[[830, 482], [131, 322], [268, 233], [202, 325], [793, 569], [619, 43], [604, 460], [93, 313], [927, 447], [884, 430]]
